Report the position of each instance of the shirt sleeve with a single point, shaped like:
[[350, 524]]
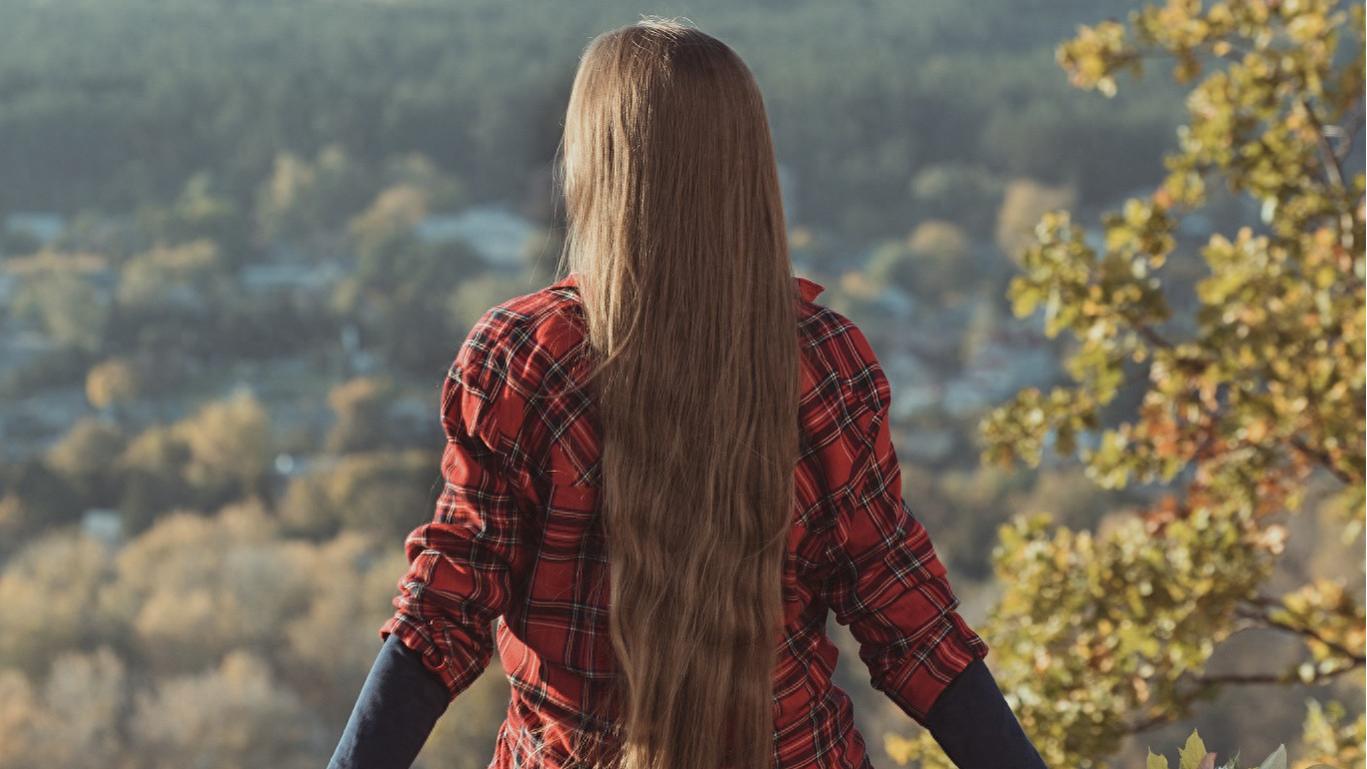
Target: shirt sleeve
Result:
[[464, 563], [975, 726], [885, 580]]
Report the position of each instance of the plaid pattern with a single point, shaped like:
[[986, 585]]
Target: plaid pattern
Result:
[[513, 544]]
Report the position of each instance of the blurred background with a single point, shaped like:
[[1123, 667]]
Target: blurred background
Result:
[[240, 243]]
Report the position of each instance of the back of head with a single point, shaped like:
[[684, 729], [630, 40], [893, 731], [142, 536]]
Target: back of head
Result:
[[677, 235]]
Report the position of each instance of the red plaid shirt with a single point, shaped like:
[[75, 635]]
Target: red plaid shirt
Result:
[[514, 542]]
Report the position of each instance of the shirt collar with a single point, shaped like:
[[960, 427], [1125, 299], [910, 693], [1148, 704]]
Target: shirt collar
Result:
[[809, 289]]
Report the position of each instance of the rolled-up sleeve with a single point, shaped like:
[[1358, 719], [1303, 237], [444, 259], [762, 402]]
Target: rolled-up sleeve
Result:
[[886, 582], [465, 562]]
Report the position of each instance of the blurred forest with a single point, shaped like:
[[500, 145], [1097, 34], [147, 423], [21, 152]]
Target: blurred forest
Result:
[[240, 243]]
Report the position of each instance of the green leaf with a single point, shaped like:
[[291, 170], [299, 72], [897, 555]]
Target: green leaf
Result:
[[1156, 761]]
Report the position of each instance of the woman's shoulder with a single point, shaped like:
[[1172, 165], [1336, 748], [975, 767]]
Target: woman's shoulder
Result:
[[521, 348], [835, 340], [839, 363], [541, 322]]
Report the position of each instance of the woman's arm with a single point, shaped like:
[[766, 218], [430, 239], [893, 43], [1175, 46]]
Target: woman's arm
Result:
[[883, 578], [397, 708], [401, 701], [463, 563], [975, 726]]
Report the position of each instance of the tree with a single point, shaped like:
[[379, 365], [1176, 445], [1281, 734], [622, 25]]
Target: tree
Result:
[[83, 457], [1245, 410], [398, 289], [230, 446], [73, 721], [69, 309], [350, 582], [41, 622], [190, 277], [362, 409], [84, 701], [304, 199], [194, 587], [965, 193], [235, 715], [33, 497], [385, 493], [113, 383], [929, 263], [1022, 204], [219, 453], [152, 470], [199, 212], [393, 214]]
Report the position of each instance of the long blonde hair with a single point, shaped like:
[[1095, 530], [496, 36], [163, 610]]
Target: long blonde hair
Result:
[[676, 233]]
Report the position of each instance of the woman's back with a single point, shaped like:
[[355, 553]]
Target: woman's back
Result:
[[517, 537]]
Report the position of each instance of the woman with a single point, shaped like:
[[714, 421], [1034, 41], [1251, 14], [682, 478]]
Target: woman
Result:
[[664, 468]]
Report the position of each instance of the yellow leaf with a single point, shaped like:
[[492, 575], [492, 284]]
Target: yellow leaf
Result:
[[1190, 754]]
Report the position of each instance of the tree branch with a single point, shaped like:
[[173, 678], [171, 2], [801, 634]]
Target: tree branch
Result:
[[1351, 136], [1207, 682], [1328, 158], [1323, 459], [1151, 336], [1276, 624]]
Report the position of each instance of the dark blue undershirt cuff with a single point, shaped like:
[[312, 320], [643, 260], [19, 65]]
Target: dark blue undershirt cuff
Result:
[[975, 726], [395, 712]]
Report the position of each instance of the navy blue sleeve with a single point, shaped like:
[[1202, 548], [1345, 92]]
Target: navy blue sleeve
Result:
[[401, 700], [973, 723], [397, 708]]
